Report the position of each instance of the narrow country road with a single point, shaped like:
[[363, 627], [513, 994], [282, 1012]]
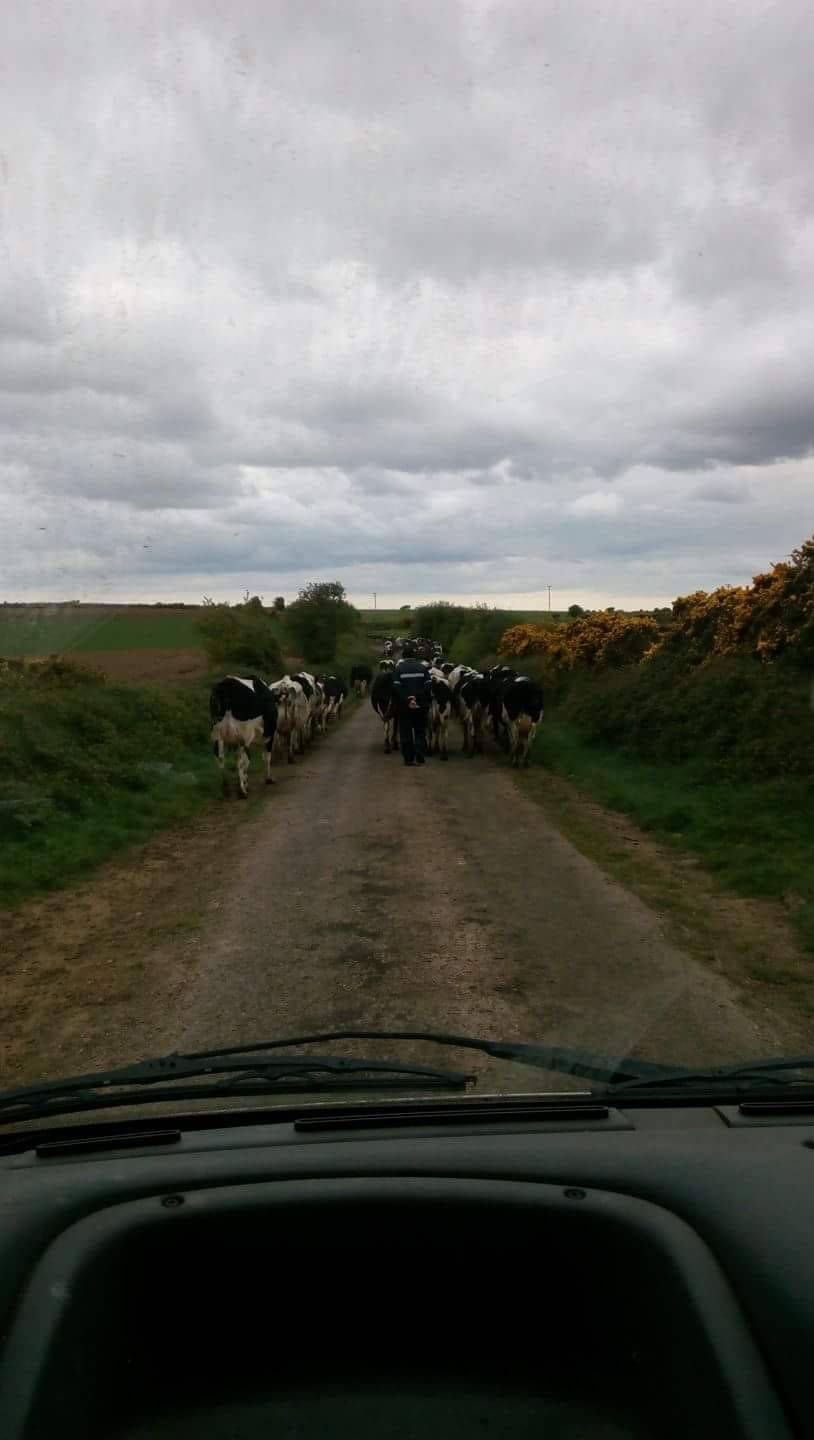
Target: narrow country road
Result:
[[384, 897], [361, 894]]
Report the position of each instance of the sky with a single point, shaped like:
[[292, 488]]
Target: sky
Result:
[[439, 299]]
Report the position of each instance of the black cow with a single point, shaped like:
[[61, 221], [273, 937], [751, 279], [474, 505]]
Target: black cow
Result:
[[522, 713], [360, 678], [242, 711], [384, 702]]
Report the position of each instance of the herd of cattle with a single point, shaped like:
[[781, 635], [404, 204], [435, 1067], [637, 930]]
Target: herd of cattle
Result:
[[499, 699], [284, 717]]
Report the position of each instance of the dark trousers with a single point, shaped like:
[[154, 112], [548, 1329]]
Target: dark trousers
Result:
[[412, 731]]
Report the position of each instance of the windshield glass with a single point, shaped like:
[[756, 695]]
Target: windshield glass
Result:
[[414, 387]]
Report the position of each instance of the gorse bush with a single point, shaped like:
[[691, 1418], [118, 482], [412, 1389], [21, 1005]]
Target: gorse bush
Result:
[[601, 639], [772, 617]]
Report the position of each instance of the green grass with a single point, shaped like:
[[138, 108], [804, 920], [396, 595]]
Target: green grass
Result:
[[44, 635], [755, 836], [89, 768], [53, 634], [143, 632]]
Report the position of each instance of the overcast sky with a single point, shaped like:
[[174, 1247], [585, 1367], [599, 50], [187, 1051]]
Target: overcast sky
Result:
[[440, 299]]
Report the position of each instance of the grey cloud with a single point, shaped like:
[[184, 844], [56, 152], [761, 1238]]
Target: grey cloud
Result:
[[407, 289]]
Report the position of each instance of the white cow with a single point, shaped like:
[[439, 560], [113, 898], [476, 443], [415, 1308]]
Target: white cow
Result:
[[292, 716]]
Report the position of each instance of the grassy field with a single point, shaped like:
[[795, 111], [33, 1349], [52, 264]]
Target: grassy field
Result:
[[41, 633], [144, 632], [755, 836]]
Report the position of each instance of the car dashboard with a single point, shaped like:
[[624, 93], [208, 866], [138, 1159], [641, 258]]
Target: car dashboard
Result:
[[529, 1267]]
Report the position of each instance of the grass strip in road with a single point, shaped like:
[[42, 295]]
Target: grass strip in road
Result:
[[755, 838]]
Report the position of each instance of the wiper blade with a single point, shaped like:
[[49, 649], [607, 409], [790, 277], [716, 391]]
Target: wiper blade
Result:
[[245, 1067], [745, 1074], [557, 1059], [249, 1074]]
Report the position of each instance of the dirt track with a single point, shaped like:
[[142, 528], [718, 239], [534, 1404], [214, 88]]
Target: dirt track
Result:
[[360, 893]]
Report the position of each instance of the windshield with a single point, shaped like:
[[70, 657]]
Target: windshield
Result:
[[395, 388]]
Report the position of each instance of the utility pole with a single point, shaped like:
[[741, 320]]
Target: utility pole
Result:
[[374, 599], [548, 588]]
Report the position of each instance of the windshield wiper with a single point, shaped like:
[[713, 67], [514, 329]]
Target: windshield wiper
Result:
[[246, 1071], [746, 1074], [242, 1074]]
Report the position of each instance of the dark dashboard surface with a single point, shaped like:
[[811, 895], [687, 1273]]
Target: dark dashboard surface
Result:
[[643, 1271]]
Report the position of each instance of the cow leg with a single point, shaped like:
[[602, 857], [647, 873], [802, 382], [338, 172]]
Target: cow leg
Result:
[[442, 741], [218, 749], [243, 772], [267, 759], [292, 740]]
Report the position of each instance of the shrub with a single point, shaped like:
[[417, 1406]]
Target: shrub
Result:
[[601, 640], [241, 635], [479, 635], [440, 621]]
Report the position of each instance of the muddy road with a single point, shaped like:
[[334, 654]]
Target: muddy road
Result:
[[362, 893]]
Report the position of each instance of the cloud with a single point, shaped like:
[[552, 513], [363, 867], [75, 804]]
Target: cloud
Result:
[[455, 299]]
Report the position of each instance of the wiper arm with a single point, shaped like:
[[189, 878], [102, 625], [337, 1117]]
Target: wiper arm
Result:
[[745, 1073], [249, 1074]]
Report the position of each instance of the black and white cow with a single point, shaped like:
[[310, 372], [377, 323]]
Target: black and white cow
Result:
[[243, 711], [387, 665], [498, 678], [360, 678], [471, 702], [384, 702], [335, 692], [315, 699], [440, 711], [522, 713]]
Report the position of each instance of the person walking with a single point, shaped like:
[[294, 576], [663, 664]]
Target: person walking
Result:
[[412, 685]]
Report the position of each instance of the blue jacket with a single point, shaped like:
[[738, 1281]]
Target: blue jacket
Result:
[[410, 677]]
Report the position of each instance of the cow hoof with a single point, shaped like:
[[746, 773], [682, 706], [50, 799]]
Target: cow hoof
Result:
[[242, 794], [269, 780]]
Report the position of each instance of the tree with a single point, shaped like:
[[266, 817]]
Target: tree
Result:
[[319, 616], [575, 611], [279, 602]]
